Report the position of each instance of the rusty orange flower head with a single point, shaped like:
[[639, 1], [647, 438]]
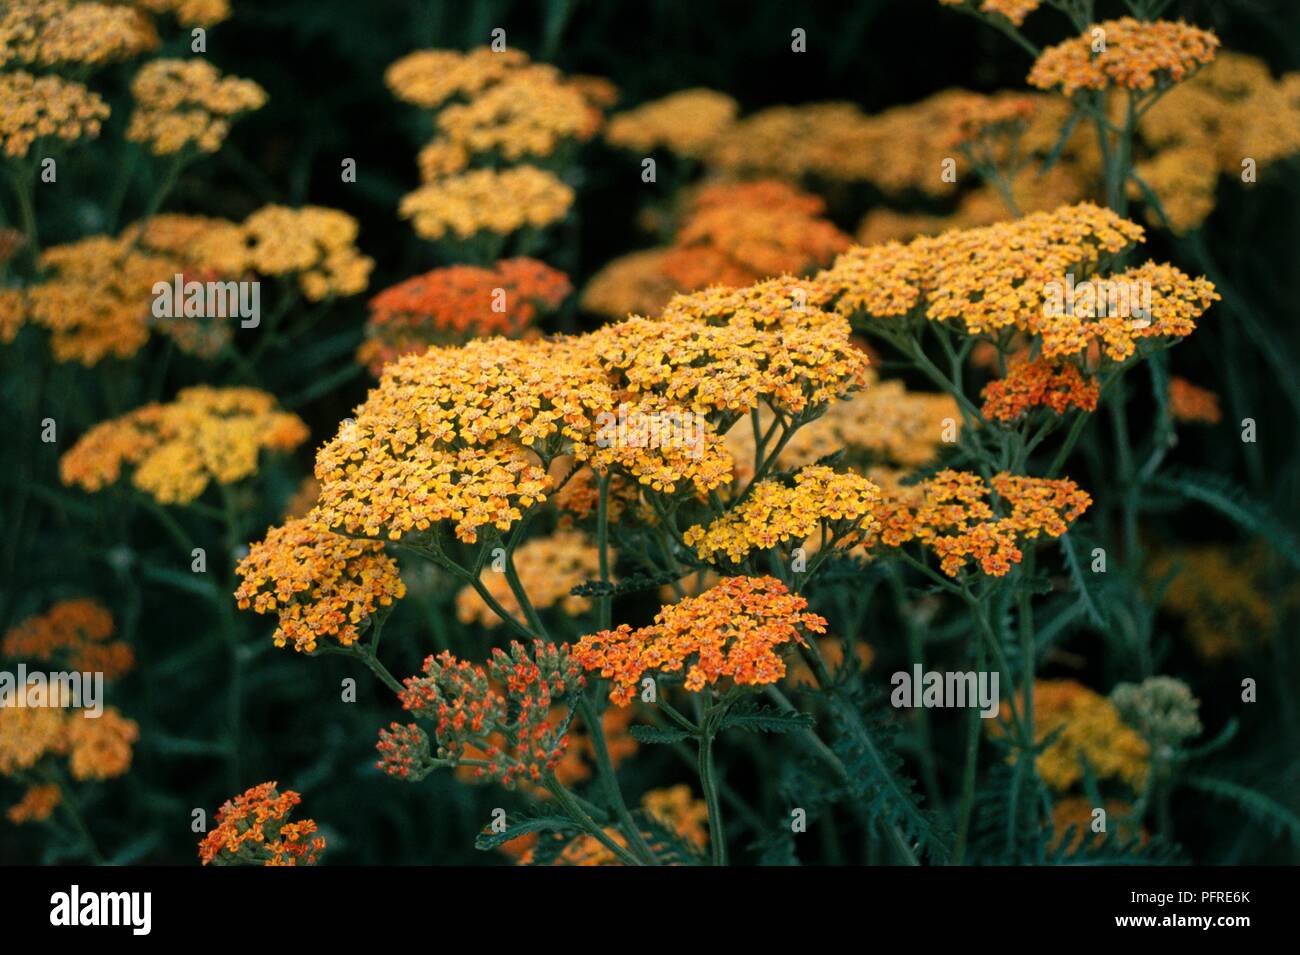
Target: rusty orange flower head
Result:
[[76, 633], [254, 829], [501, 711], [733, 631], [1039, 383], [459, 302]]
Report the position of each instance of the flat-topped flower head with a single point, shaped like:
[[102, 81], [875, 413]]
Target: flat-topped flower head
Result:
[[429, 78], [75, 633], [500, 201], [318, 584], [458, 302], [174, 451], [963, 519], [1133, 55], [189, 13], [182, 103], [36, 110], [736, 234], [734, 631], [99, 748], [501, 711], [686, 123], [1084, 726], [72, 33], [315, 244], [776, 514], [254, 829], [1038, 383]]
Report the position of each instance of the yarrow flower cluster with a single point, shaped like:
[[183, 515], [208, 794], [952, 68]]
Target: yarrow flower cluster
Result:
[[686, 123], [964, 519], [774, 513], [1193, 404], [1015, 275], [182, 103], [38, 108], [1136, 55], [175, 450], [254, 829], [57, 33], [501, 710], [1039, 383], [75, 633], [1085, 727], [317, 584], [487, 200], [95, 747], [458, 302], [733, 631]]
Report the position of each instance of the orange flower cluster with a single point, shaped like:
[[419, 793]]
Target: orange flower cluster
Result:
[[182, 103], [74, 632], [548, 568], [632, 284], [1018, 274], [1039, 383], [404, 752], [176, 450], [951, 513], [254, 829], [501, 711], [1090, 729], [100, 748], [457, 302], [732, 631], [317, 583], [1191, 403], [38, 804], [1135, 55], [736, 234], [773, 514], [36, 108], [686, 123], [52, 33], [316, 244], [189, 13], [1077, 811], [1013, 10]]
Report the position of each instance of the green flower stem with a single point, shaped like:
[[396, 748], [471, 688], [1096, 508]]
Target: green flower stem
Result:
[[708, 784], [609, 781], [574, 811], [969, 769]]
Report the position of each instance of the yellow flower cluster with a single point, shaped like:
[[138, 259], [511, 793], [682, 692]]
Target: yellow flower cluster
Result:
[[96, 296], [67, 32], [316, 244], [189, 13], [1134, 55], [548, 568], [46, 107], [487, 200], [428, 78], [75, 633], [773, 513], [187, 102], [465, 434], [96, 748], [686, 123], [177, 449], [1090, 729], [951, 513], [1015, 275], [318, 584], [1232, 110]]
